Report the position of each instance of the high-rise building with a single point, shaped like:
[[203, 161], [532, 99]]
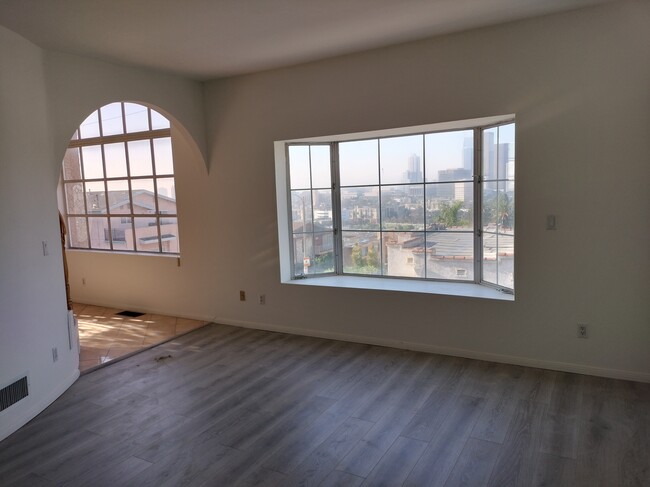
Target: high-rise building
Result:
[[414, 171]]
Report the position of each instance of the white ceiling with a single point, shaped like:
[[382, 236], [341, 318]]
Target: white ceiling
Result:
[[205, 39]]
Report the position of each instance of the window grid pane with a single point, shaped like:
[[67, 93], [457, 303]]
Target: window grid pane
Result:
[[407, 205], [311, 210], [118, 178], [498, 203]]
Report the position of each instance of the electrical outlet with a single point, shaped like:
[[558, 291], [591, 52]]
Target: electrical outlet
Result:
[[46, 251], [242, 295], [83, 281], [55, 354], [551, 222], [261, 299], [582, 330]]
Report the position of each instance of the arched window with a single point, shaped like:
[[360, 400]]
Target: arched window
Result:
[[118, 182]]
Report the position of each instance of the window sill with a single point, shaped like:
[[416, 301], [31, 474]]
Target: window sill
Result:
[[123, 252], [468, 290]]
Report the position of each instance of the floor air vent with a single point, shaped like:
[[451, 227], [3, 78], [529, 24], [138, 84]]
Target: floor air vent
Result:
[[13, 393], [130, 314]]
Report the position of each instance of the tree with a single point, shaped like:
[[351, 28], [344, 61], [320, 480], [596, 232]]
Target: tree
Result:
[[368, 264], [449, 213], [372, 259], [504, 212], [499, 209]]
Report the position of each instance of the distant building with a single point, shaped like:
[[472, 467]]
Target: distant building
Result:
[[414, 171], [126, 232]]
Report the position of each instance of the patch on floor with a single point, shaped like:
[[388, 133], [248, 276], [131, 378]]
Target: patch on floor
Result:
[[130, 314]]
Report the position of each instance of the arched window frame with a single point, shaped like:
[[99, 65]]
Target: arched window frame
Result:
[[141, 215]]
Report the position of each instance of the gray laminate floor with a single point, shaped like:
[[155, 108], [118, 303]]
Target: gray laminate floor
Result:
[[226, 406]]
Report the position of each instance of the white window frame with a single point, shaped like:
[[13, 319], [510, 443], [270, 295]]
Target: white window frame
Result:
[[476, 288], [149, 135]]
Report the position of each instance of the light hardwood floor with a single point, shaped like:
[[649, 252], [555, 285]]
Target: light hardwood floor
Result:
[[226, 406], [105, 336]]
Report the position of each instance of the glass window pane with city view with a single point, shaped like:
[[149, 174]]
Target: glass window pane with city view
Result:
[[498, 205], [405, 206], [124, 172], [312, 233]]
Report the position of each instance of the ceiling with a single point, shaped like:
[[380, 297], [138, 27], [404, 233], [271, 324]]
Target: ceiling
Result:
[[205, 39]]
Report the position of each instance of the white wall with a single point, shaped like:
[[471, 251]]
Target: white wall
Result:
[[578, 83], [33, 314], [43, 97]]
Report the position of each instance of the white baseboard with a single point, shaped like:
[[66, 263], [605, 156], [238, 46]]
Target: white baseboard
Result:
[[23, 417], [455, 352]]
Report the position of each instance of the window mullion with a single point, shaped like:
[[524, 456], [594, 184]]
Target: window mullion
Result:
[[381, 227], [155, 194], [478, 205], [336, 208], [292, 253]]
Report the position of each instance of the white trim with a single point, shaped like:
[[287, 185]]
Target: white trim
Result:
[[414, 129], [463, 289], [17, 421], [454, 352], [427, 286]]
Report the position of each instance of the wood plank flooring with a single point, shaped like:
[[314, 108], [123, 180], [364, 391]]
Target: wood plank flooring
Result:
[[227, 406]]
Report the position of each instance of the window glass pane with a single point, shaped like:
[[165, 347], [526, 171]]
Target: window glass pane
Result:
[[506, 152], [490, 143], [118, 179], [140, 158], [115, 157], [489, 204], [90, 127], [92, 162], [142, 196], [158, 121], [77, 233], [95, 197], [301, 211], [137, 117], [146, 234], [450, 206], [358, 162], [112, 119], [401, 159], [72, 164], [169, 235], [404, 254], [74, 198], [505, 212], [163, 155], [402, 207], [506, 257], [322, 199], [361, 253], [118, 196], [320, 250], [360, 208], [449, 156], [99, 237], [166, 195], [321, 176], [450, 255], [498, 259], [121, 233], [299, 166], [303, 253]]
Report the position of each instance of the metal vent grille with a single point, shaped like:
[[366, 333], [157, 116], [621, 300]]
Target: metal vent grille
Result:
[[13, 393]]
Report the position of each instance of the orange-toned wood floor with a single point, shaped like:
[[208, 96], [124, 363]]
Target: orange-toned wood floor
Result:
[[105, 336]]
